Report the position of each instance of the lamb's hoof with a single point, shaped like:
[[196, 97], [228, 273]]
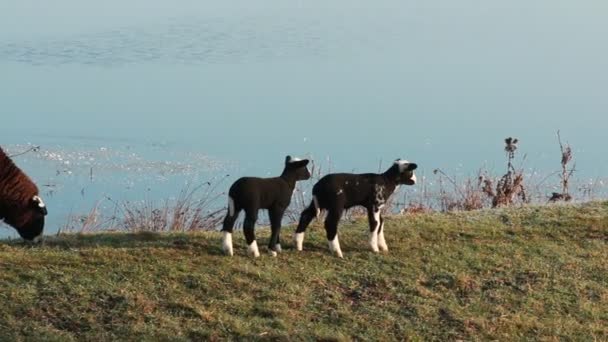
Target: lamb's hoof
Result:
[[334, 247], [272, 253], [278, 248]]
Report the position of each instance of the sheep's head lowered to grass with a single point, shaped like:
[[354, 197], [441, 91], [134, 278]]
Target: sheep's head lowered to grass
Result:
[[27, 219], [20, 204]]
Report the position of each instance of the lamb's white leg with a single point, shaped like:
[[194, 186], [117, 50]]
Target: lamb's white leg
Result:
[[373, 236], [227, 243], [299, 240], [381, 241]]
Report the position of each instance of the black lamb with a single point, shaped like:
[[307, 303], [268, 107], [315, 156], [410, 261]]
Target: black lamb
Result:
[[252, 194], [338, 192]]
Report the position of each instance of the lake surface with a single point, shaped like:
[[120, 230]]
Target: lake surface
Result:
[[150, 97]]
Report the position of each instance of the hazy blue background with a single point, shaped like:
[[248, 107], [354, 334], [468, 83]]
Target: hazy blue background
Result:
[[246, 82]]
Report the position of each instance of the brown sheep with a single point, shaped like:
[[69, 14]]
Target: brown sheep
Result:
[[20, 205]]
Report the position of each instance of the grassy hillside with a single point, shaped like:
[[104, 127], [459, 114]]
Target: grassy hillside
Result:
[[506, 274]]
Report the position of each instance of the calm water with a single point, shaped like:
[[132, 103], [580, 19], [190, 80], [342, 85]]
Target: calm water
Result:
[[150, 97]]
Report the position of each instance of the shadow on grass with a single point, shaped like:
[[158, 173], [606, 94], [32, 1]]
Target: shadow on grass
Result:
[[203, 242], [207, 241]]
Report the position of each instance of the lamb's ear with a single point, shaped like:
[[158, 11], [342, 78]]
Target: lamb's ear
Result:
[[412, 167], [300, 163], [287, 160]]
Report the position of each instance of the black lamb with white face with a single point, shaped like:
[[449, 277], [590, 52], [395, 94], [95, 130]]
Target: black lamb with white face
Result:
[[338, 192], [252, 194]]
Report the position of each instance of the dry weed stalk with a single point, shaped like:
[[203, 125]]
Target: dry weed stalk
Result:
[[419, 203], [194, 209], [468, 196], [511, 185], [422, 203], [31, 149], [590, 189], [415, 208], [186, 214], [91, 222], [565, 175]]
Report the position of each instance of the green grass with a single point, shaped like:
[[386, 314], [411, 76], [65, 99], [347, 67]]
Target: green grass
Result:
[[518, 274]]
